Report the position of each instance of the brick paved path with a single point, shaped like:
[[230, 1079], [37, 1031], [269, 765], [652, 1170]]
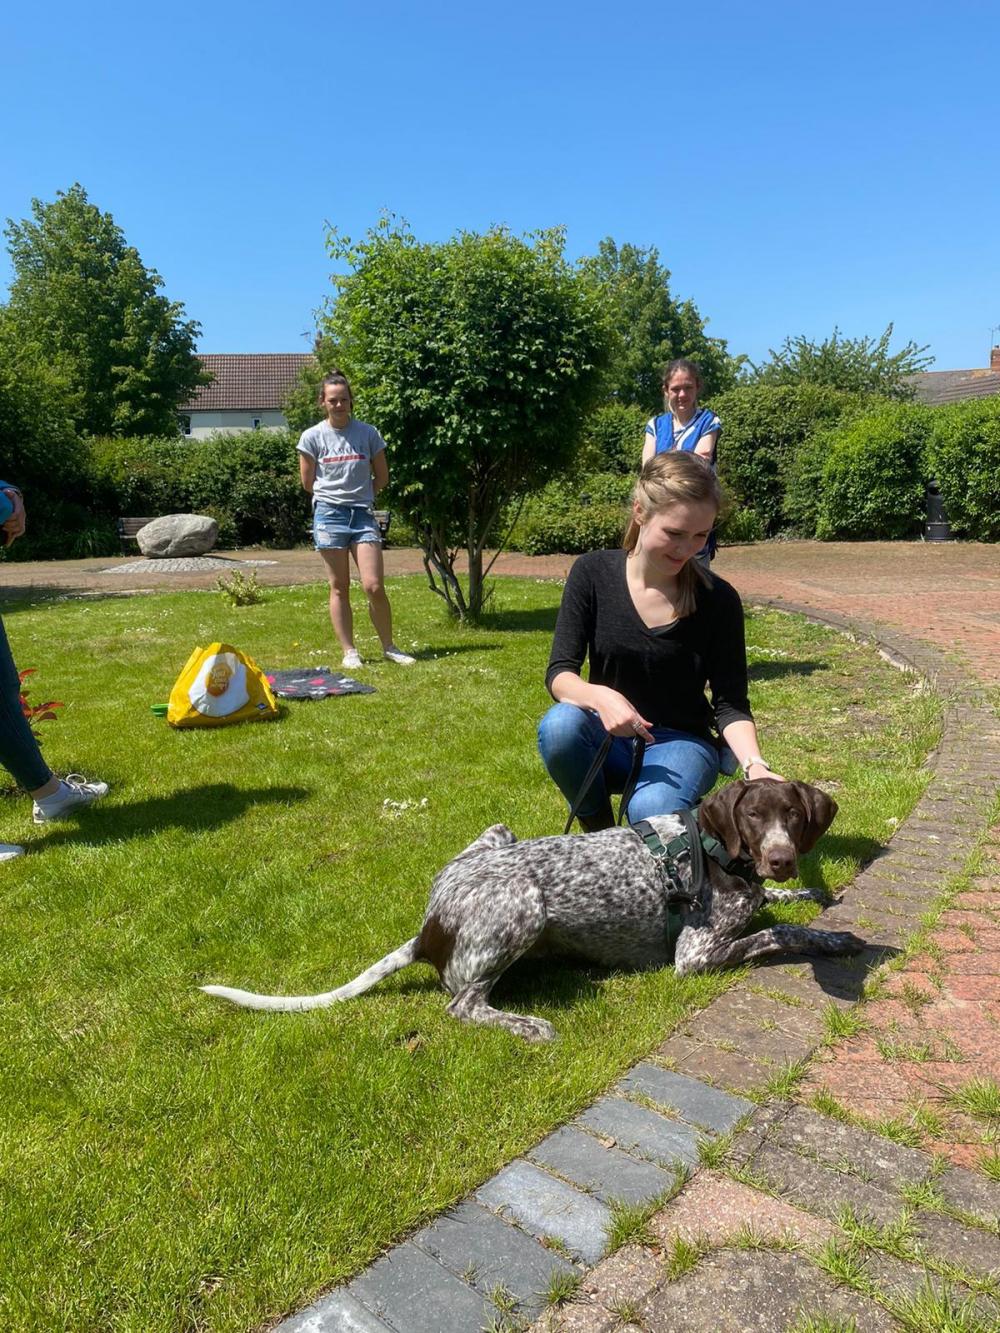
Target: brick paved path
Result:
[[946, 593], [785, 1217]]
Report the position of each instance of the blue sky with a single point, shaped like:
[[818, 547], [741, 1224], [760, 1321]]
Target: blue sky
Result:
[[797, 166]]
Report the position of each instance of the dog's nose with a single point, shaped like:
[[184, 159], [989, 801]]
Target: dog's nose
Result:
[[781, 864]]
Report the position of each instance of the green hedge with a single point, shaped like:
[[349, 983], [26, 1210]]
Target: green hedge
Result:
[[571, 516], [762, 427], [612, 439], [874, 478], [804, 483], [247, 480], [963, 456]]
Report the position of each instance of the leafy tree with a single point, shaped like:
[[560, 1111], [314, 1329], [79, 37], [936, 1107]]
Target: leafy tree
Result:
[[83, 300], [857, 365], [651, 327], [477, 359]]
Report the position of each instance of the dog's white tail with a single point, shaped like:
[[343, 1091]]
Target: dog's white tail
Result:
[[392, 962]]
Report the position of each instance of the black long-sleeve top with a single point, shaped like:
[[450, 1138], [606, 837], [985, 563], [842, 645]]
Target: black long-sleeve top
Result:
[[662, 672]]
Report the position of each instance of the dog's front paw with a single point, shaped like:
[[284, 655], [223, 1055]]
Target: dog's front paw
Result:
[[842, 941]]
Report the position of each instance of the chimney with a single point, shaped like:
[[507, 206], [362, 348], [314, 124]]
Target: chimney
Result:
[[995, 358]]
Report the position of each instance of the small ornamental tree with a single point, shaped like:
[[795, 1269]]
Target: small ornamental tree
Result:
[[477, 359]]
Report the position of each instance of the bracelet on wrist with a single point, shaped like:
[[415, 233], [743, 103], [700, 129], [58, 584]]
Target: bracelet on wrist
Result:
[[755, 761]]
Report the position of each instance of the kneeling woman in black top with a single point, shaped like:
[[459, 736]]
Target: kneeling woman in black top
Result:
[[656, 629]]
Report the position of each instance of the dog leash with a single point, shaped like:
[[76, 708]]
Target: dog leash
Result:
[[638, 750]]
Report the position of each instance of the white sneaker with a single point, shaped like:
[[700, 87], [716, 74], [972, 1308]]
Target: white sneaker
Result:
[[352, 660], [394, 654], [8, 850], [74, 792]]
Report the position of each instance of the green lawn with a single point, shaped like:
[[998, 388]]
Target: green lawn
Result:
[[169, 1162]]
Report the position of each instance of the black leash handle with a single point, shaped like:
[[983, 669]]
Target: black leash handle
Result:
[[638, 750]]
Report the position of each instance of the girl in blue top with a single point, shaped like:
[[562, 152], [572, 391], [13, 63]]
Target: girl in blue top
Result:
[[684, 425]]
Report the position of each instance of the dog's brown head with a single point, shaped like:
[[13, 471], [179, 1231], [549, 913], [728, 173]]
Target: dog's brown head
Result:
[[771, 822]]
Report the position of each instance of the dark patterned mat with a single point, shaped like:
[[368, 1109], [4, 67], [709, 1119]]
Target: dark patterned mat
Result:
[[313, 683]]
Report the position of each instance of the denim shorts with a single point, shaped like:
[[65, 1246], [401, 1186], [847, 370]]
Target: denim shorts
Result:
[[336, 527]]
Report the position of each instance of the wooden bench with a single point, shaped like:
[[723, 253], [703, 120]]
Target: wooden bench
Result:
[[128, 529]]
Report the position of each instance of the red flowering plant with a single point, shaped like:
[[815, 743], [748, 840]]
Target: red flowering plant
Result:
[[36, 712]]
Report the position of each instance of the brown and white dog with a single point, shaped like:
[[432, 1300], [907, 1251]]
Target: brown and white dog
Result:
[[601, 897]]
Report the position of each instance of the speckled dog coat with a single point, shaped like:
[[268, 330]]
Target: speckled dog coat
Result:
[[602, 897]]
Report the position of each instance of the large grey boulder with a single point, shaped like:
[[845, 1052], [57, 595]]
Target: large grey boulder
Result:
[[178, 534]]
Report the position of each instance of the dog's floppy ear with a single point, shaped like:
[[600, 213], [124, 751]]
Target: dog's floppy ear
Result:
[[717, 816], [820, 810]]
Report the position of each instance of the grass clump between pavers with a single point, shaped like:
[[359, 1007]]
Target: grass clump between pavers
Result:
[[173, 1162]]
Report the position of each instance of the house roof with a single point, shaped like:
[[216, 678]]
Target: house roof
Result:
[[247, 380], [953, 386]]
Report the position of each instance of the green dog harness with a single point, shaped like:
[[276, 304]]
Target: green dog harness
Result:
[[686, 853]]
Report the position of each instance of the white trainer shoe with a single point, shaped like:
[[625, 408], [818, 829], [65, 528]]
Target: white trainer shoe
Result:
[[74, 793], [394, 654], [8, 850], [352, 660]]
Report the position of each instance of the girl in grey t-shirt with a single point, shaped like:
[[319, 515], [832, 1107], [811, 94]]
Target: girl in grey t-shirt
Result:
[[342, 466]]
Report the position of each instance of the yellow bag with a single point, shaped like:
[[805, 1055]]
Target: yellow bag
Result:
[[220, 685]]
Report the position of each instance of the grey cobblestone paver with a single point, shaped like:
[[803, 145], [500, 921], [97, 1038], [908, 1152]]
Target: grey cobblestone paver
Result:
[[694, 1101], [546, 1206], [487, 1252], [739, 1291], [412, 1293], [967, 1247], [971, 1193], [898, 1281], [185, 564], [636, 1129], [845, 1148], [604, 1171], [820, 1189], [339, 1312]]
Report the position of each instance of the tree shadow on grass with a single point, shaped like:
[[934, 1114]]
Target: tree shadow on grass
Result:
[[195, 809], [776, 670], [454, 650], [530, 620]]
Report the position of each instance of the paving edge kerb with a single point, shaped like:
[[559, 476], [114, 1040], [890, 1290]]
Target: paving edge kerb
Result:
[[543, 1219]]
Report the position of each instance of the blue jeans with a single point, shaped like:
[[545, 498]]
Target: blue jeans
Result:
[[337, 527], [19, 752], [677, 770]]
